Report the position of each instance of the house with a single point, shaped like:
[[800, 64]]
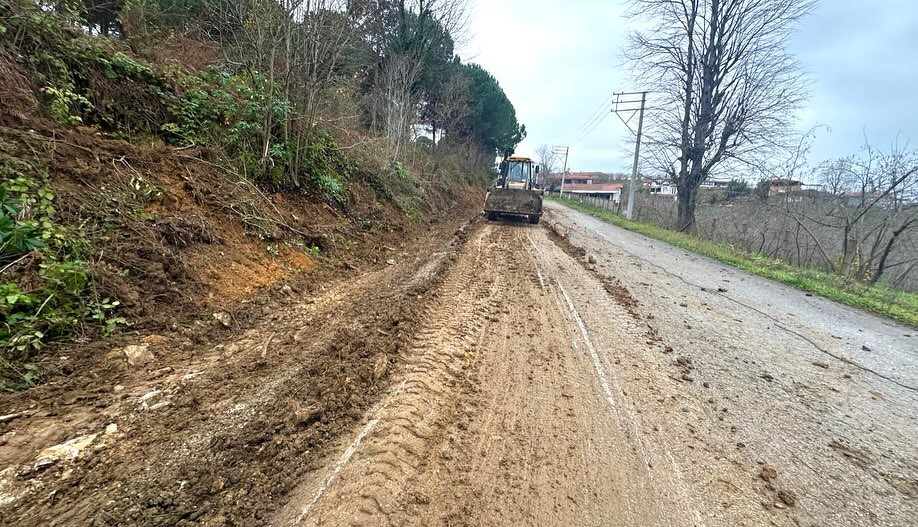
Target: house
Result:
[[781, 185], [659, 187], [609, 191], [553, 181], [885, 200], [815, 187], [712, 182], [578, 178]]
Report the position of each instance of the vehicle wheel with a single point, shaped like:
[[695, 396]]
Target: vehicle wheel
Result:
[[492, 216], [534, 218]]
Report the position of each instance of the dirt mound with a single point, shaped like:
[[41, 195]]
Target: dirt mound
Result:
[[172, 235], [170, 226], [558, 234], [217, 428]]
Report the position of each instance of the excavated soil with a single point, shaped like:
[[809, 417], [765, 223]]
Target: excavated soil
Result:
[[223, 421], [499, 418]]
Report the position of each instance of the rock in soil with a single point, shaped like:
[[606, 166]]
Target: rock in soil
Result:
[[223, 318], [787, 497], [67, 450], [138, 354], [769, 473], [303, 415], [380, 366]]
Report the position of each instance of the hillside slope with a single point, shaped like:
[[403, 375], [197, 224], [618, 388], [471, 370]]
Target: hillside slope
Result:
[[130, 203]]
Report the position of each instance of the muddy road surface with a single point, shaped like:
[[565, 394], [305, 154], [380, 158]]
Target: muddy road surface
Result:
[[500, 374]]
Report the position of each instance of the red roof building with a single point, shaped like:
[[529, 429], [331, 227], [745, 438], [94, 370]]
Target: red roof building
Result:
[[785, 185], [578, 178], [609, 191], [594, 189]]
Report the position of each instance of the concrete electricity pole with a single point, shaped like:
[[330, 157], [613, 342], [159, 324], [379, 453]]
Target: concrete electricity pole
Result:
[[558, 151], [627, 106]]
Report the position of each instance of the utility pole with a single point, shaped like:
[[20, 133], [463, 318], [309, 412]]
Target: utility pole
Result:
[[627, 107], [558, 151]]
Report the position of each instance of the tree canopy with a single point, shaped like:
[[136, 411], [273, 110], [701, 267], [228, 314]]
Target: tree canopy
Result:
[[398, 57], [492, 119]]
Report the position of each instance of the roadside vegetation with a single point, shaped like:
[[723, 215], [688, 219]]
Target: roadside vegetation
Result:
[[878, 299], [135, 136]]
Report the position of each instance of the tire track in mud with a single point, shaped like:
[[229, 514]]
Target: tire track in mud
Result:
[[499, 419], [366, 485], [531, 441], [265, 408], [623, 321]]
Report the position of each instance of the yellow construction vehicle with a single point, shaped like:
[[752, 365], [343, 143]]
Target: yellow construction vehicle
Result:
[[515, 191]]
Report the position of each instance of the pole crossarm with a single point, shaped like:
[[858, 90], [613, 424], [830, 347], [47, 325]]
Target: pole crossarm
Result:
[[629, 107]]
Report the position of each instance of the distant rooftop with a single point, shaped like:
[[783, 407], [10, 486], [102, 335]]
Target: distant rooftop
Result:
[[605, 188]]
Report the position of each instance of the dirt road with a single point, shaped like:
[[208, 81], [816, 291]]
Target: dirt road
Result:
[[514, 377], [546, 394]]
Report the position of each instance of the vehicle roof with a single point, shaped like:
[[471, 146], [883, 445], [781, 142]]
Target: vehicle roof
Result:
[[518, 158]]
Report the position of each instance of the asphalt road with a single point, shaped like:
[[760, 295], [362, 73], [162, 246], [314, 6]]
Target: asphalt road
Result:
[[823, 392]]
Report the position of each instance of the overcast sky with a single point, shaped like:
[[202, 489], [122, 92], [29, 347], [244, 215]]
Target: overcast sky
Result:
[[559, 61]]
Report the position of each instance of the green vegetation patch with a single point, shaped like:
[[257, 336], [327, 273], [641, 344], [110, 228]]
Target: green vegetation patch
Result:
[[899, 306], [46, 290]]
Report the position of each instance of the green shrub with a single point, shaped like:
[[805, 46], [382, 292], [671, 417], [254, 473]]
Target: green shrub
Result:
[[65, 106], [230, 112], [16, 237], [404, 174], [324, 166], [50, 295], [84, 80], [737, 188]]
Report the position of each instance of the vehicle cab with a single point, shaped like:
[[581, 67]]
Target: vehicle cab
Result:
[[517, 173]]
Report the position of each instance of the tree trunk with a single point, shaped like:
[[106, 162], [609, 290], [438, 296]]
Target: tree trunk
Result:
[[881, 267], [688, 195]]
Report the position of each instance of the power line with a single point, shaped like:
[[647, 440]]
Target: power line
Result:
[[599, 114], [587, 133], [601, 117], [601, 110]]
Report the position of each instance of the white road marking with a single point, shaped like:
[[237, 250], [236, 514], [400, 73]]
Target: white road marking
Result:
[[534, 246], [346, 457], [603, 381], [607, 391], [539, 273], [600, 371]]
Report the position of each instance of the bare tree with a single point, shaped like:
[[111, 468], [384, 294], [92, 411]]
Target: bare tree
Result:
[[727, 85], [400, 108], [295, 45], [451, 106], [547, 159], [414, 41], [836, 176], [451, 15], [870, 208], [874, 218]]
